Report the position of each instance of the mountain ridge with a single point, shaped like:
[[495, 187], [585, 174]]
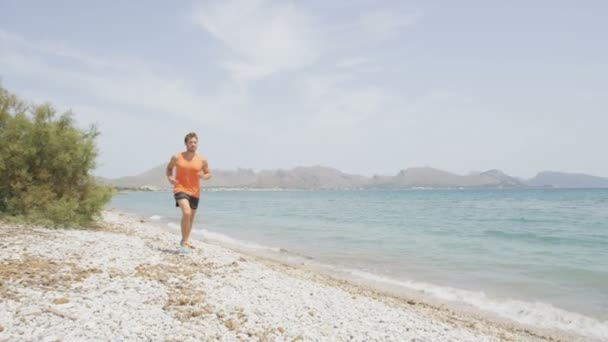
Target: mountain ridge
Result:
[[326, 178], [567, 180]]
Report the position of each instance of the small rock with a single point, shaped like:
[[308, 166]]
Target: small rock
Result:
[[411, 302], [196, 313], [280, 329], [231, 324], [62, 300]]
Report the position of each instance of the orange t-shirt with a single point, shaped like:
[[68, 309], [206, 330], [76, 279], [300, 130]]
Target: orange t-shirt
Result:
[[186, 175]]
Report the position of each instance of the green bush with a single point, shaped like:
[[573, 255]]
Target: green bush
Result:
[[44, 166]]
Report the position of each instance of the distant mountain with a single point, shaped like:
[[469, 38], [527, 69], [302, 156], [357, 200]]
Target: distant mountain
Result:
[[238, 178], [315, 177], [428, 177], [503, 179], [152, 178], [156, 178], [567, 180], [319, 177]]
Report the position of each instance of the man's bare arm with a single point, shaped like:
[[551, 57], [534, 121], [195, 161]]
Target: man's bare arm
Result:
[[205, 173], [169, 170]]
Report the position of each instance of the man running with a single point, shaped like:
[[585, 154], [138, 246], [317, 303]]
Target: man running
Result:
[[189, 167]]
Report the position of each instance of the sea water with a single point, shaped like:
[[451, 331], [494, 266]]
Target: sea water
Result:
[[534, 256]]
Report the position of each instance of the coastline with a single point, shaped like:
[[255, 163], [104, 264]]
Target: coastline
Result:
[[125, 280]]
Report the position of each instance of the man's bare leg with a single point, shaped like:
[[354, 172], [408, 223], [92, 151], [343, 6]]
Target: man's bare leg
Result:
[[187, 216], [190, 224]]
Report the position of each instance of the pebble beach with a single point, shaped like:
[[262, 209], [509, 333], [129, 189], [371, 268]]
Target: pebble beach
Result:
[[125, 280]]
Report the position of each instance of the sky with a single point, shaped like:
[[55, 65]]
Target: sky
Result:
[[366, 87]]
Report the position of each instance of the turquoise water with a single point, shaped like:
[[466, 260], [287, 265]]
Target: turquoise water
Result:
[[539, 254]]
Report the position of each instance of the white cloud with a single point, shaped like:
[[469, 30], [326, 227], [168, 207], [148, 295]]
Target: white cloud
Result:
[[266, 37], [359, 65], [325, 85], [350, 107], [12, 42], [384, 24], [352, 62], [115, 81]]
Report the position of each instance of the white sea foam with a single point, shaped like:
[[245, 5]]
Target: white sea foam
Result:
[[174, 226], [155, 217], [531, 313], [226, 240], [235, 243]]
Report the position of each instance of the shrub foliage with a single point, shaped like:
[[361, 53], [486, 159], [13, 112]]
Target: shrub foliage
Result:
[[45, 164]]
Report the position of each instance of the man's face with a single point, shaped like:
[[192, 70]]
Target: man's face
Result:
[[191, 144]]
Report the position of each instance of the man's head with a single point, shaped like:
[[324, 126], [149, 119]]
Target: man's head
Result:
[[191, 141]]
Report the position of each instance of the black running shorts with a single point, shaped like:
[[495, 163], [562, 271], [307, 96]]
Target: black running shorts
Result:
[[191, 199]]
